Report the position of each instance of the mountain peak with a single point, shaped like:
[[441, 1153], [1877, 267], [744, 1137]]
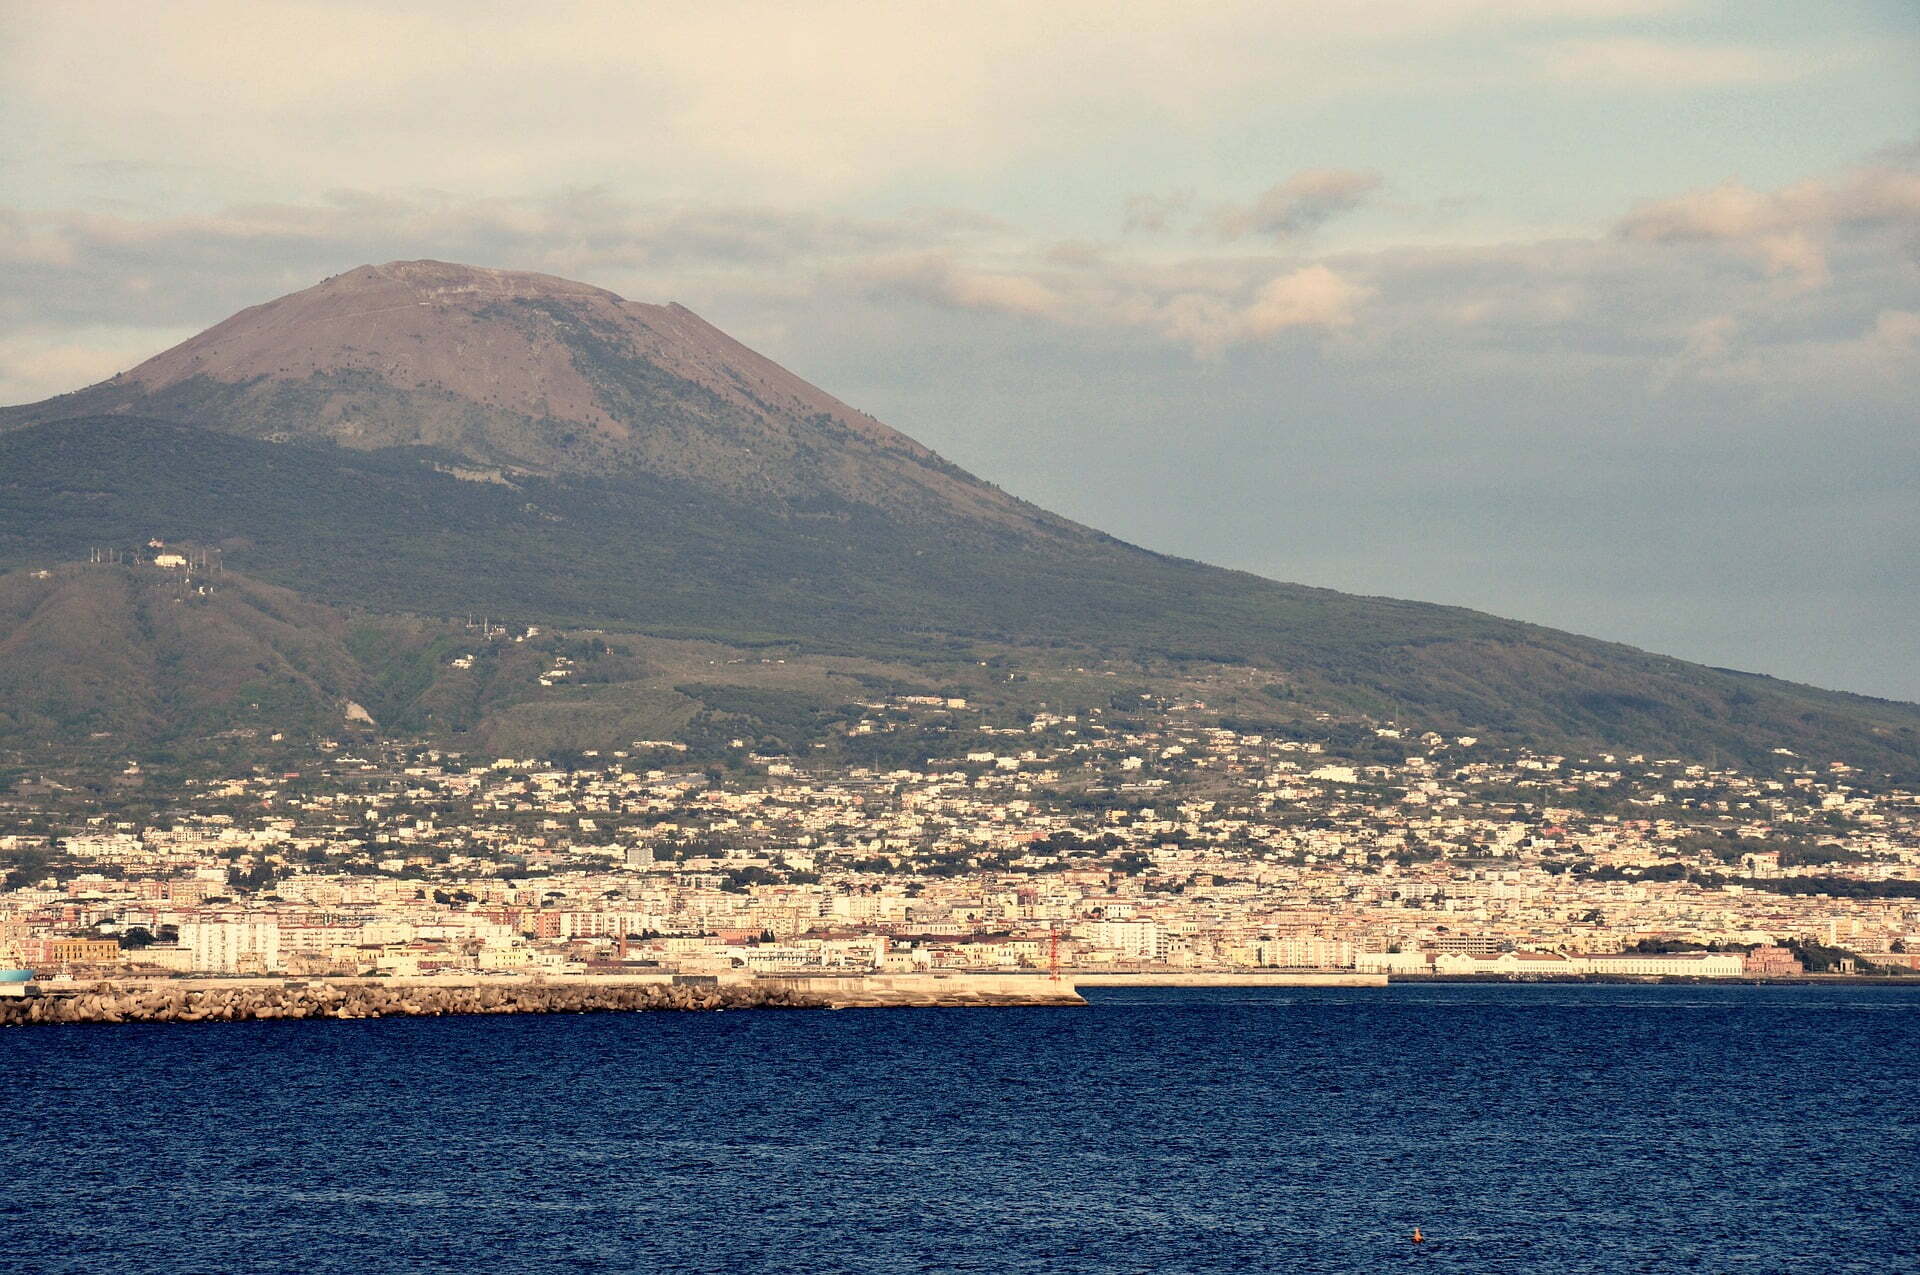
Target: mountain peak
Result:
[[539, 374], [444, 280]]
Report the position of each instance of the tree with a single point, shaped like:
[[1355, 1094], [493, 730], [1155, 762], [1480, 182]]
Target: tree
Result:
[[257, 879], [25, 866], [1819, 958]]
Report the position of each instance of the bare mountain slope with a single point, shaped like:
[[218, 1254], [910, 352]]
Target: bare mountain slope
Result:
[[531, 373]]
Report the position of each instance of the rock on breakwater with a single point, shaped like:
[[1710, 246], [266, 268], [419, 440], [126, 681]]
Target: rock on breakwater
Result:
[[253, 999], [158, 1003]]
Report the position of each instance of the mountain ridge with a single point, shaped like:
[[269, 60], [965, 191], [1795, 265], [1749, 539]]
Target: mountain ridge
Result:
[[362, 497]]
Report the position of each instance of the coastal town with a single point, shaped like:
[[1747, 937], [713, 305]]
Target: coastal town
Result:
[[1151, 841]]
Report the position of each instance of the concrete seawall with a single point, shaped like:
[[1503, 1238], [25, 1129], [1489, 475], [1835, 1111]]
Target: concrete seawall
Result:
[[258, 999], [928, 991], [1226, 978]]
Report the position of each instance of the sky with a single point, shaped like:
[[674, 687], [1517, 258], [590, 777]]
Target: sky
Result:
[[1603, 314]]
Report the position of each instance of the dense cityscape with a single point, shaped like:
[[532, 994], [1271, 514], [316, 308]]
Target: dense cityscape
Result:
[[1140, 841]]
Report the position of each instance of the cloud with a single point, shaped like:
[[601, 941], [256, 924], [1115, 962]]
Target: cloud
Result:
[[1312, 296], [1210, 324], [938, 280], [1789, 231], [1300, 204], [1669, 297], [86, 267], [1206, 308], [1873, 362]]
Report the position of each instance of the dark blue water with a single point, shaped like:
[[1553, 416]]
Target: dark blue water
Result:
[[1536, 1129]]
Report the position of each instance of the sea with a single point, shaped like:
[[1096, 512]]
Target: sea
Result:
[[1520, 1128]]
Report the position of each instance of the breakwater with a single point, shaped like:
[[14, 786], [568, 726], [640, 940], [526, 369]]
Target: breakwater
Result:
[[251, 1000], [160, 1004], [947, 989]]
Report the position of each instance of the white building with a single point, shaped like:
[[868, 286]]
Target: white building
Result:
[[1393, 962], [1694, 964], [1699, 964], [1306, 951], [233, 947], [1133, 940]]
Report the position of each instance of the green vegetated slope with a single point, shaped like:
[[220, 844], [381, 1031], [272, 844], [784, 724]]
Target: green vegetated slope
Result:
[[126, 657], [120, 653], [386, 533]]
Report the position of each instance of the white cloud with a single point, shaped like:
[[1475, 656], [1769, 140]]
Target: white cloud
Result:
[[1209, 324], [1789, 231], [1206, 308], [1312, 296], [936, 279]]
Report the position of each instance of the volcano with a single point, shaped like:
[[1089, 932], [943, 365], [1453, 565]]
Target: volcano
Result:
[[533, 374], [428, 440]]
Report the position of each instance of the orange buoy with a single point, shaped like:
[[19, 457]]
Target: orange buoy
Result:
[[1417, 1237]]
